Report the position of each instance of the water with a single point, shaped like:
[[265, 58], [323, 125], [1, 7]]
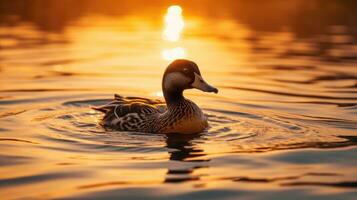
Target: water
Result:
[[283, 125]]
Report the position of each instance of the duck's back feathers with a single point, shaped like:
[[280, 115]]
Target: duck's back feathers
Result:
[[132, 104], [118, 97], [130, 113]]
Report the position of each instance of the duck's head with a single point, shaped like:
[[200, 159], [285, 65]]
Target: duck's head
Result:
[[183, 74]]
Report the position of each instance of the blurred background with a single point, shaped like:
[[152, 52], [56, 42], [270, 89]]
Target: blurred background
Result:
[[304, 18]]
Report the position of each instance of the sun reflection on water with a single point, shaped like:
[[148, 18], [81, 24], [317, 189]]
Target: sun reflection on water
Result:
[[174, 53], [174, 25]]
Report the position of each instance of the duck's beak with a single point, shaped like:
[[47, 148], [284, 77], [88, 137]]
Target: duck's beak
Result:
[[202, 85]]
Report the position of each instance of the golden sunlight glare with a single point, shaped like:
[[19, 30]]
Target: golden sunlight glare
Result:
[[173, 24], [173, 27], [174, 53]]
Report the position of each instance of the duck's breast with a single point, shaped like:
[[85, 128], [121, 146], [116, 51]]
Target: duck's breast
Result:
[[191, 125], [189, 122]]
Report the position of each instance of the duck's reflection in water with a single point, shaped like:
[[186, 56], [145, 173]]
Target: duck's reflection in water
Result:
[[188, 155]]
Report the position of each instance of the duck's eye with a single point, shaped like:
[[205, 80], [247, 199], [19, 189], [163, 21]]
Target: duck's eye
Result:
[[185, 70]]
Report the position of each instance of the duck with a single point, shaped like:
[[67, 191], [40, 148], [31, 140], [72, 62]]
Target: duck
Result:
[[176, 114]]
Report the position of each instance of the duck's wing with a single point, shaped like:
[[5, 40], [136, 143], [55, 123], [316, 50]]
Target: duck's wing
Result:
[[118, 97], [122, 106]]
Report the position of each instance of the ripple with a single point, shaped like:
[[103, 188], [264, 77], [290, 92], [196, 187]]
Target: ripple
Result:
[[89, 102], [17, 140], [291, 94], [13, 113], [345, 184], [6, 160], [80, 130], [239, 131], [16, 181]]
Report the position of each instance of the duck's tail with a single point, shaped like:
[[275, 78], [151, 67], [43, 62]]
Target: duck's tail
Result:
[[100, 109], [107, 107]]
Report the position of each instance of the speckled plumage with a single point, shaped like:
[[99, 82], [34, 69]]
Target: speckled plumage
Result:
[[152, 116]]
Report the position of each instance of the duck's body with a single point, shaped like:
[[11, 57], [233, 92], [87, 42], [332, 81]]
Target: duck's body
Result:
[[178, 115], [153, 116]]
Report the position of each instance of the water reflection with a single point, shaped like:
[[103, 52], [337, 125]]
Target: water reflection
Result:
[[184, 149], [181, 148]]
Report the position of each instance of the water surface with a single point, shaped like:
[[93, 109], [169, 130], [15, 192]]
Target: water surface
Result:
[[284, 124]]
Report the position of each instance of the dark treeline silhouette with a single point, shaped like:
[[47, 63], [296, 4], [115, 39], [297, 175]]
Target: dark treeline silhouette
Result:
[[303, 17]]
